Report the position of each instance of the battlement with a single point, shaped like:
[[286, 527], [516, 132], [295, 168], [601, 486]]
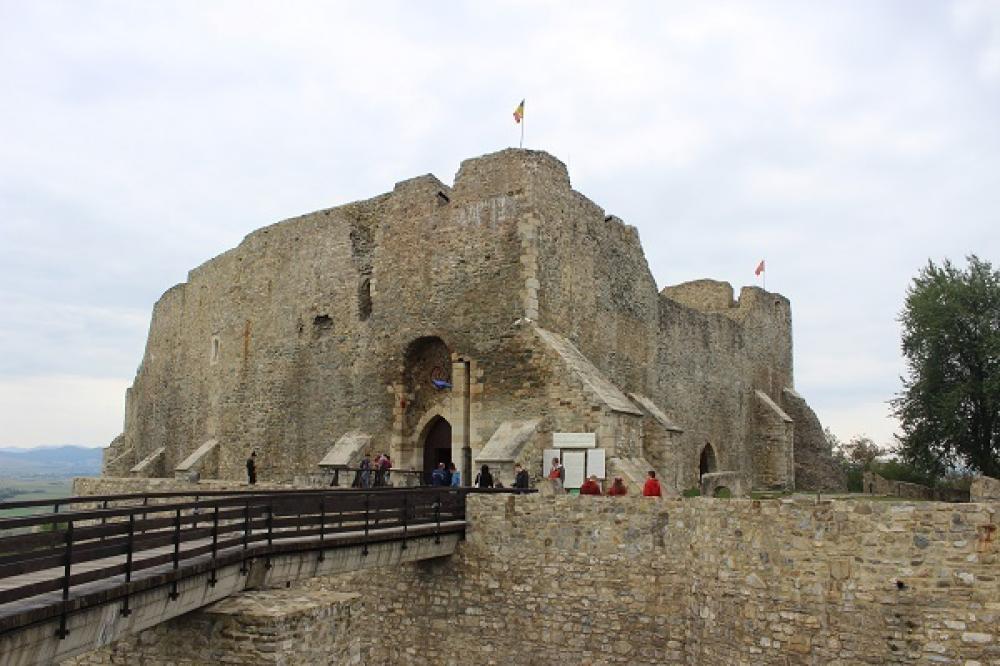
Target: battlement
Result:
[[510, 171], [715, 296]]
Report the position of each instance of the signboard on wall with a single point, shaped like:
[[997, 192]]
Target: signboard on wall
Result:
[[575, 463], [595, 463], [574, 440]]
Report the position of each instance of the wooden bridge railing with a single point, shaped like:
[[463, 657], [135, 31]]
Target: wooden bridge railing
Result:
[[140, 541]]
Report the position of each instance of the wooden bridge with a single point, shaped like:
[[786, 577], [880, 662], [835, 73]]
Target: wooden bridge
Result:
[[85, 571]]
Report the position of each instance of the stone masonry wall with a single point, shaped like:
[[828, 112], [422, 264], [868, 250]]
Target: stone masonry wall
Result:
[[273, 628], [698, 581], [708, 365]]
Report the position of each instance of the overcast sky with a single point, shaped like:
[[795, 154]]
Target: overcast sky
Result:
[[844, 142]]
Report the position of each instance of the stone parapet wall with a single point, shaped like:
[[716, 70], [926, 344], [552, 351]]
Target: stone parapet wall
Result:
[[985, 489], [112, 485], [699, 581], [588, 580]]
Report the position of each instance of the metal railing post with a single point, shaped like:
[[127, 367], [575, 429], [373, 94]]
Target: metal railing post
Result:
[[212, 580], [406, 511], [270, 534], [364, 548], [437, 518], [322, 527], [246, 536], [126, 611], [63, 632], [177, 552]]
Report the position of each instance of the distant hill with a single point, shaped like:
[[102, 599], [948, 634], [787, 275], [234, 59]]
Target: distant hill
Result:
[[53, 461]]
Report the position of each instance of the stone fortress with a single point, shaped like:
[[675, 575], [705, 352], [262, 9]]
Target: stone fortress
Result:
[[467, 324], [492, 322]]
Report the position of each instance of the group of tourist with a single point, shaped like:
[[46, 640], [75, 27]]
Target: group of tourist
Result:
[[373, 474], [450, 476], [446, 475], [651, 488]]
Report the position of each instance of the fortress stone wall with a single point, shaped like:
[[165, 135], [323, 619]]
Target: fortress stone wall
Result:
[[534, 304], [584, 580]]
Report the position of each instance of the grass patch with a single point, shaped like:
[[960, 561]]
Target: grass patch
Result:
[[19, 490]]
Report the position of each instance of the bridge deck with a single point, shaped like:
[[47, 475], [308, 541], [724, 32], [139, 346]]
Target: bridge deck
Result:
[[12, 612], [89, 557]]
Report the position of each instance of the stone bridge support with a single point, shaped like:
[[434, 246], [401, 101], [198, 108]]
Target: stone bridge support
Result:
[[98, 626]]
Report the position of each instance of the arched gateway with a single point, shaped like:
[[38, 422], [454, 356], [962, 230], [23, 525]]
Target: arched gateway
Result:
[[437, 445]]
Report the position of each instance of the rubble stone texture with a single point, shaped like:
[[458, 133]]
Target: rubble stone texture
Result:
[[525, 296]]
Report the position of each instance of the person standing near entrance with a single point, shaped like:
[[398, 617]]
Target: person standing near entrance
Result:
[[558, 472], [484, 479], [618, 488], [590, 486], [252, 468], [456, 476], [366, 471], [521, 479], [437, 476], [652, 486]]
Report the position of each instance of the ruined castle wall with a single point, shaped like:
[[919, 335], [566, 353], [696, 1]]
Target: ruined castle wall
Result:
[[710, 360], [595, 287], [290, 339]]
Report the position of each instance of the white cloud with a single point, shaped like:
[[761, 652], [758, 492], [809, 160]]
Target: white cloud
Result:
[[872, 418], [60, 410]]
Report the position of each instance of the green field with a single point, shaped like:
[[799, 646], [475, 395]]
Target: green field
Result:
[[19, 490]]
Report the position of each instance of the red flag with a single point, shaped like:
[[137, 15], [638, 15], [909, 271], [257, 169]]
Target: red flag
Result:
[[760, 268]]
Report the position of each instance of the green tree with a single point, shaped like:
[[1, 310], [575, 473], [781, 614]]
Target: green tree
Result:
[[948, 408]]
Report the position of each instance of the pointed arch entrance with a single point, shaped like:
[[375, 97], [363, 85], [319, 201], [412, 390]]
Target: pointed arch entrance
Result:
[[437, 445]]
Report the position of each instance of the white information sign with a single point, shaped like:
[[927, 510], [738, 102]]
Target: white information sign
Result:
[[575, 463], [595, 463], [574, 440]]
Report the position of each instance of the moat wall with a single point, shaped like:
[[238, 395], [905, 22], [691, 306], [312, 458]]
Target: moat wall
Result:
[[583, 580]]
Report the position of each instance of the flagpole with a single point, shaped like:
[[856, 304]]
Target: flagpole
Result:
[[521, 145]]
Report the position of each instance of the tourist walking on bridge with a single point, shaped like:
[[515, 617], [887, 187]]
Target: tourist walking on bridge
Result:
[[366, 471]]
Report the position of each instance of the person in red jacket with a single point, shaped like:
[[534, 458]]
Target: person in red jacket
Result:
[[652, 487], [617, 488], [590, 486]]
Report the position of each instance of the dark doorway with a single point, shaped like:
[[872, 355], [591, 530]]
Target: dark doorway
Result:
[[437, 446], [707, 463]]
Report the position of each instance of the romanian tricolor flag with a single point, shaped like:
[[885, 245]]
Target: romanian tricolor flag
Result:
[[519, 112]]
